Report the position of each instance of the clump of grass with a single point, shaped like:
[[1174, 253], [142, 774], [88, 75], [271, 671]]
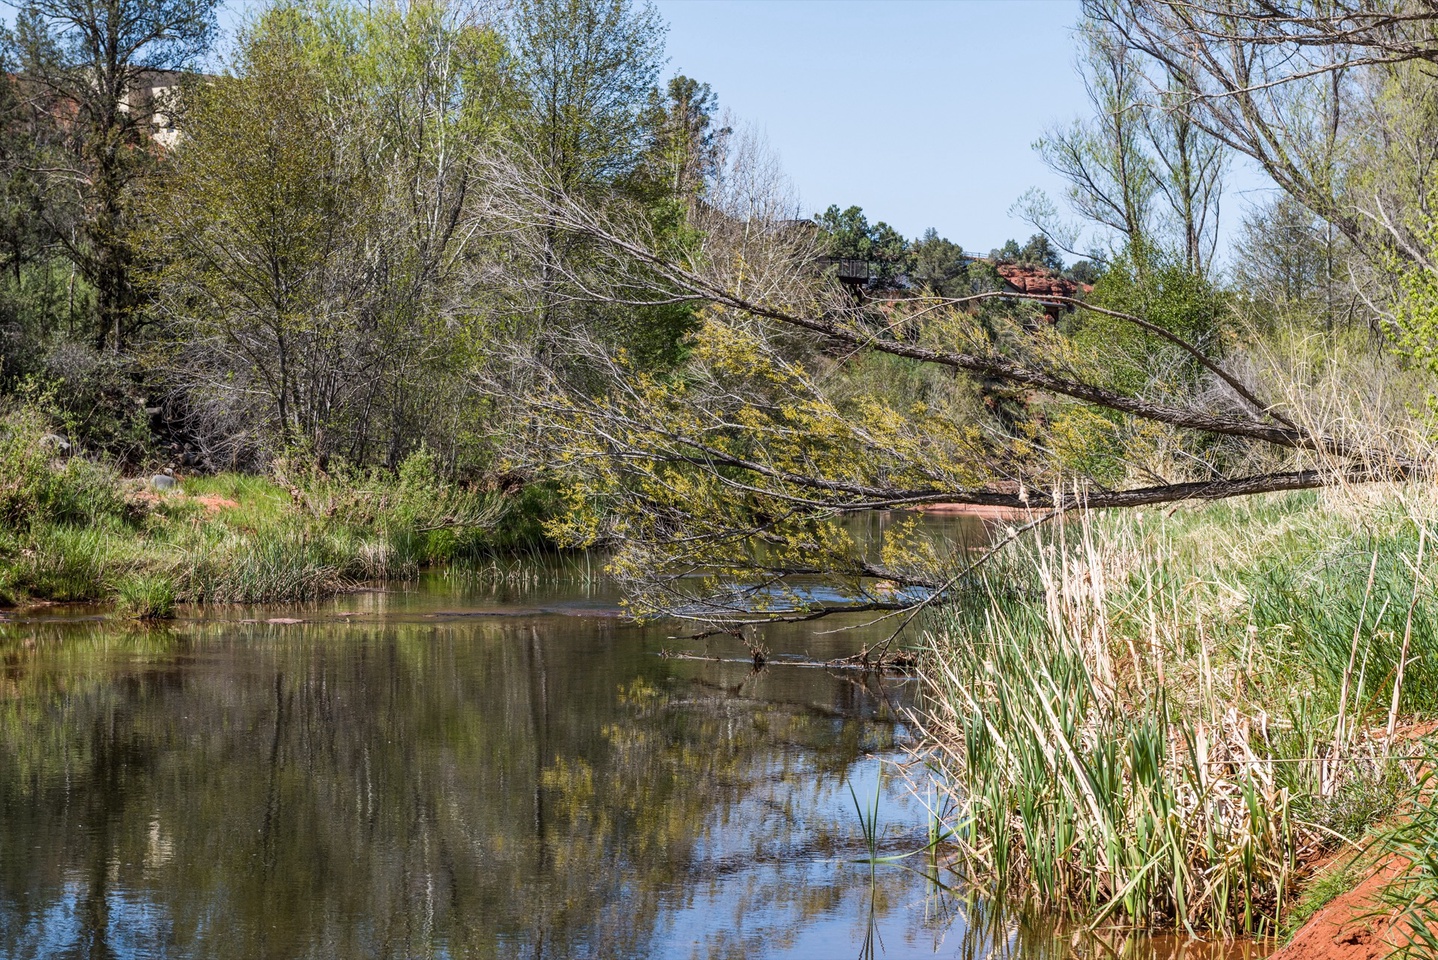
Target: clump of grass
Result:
[[281, 567], [1150, 719], [146, 597], [67, 563], [1367, 790]]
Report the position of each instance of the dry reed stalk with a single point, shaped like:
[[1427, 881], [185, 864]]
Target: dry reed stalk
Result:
[[1407, 633], [1340, 729]]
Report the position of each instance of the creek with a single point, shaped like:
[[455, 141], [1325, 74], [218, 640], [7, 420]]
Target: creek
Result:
[[465, 769]]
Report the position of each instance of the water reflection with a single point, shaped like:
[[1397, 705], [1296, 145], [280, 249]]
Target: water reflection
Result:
[[409, 782], [457, 772]]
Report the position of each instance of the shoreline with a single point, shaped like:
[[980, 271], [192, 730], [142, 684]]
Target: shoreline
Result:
[[981, 511]]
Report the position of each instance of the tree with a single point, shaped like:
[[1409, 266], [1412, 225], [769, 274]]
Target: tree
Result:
[[1041, 251], [324, 263], [33, 301], [723, 487], [88, 63], [685, 146], [588, 69], [683, 153], [850, 236], [1189, 167], [1278, 86], [939, 265], [1335, 102], [1288, 260], [1110, 175], [1140, 167], [1088, 270], [1038, 250]]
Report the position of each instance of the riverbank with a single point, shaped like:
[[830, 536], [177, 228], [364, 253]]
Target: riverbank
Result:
[[75, 530], [1167, 718]]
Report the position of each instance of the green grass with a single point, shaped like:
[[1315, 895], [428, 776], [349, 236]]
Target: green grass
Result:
[[1149, 717], [77, 531], [146, 597]]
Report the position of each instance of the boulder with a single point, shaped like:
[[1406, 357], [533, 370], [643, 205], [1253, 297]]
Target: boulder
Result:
[[55, 442]]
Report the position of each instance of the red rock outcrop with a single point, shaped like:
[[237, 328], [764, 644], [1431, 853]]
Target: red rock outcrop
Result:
[[1027, 278]]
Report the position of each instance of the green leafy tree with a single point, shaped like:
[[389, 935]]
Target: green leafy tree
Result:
[[850, 236], [588, 69], [91, 64], [1009, 252], [319, 221], [1040, 250], [685, 145], [1085, 271], [37, 295], [939, 265], [684, 151]]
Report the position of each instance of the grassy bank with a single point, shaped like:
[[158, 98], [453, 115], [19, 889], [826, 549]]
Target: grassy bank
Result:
[[1163, 718], [75, 530]]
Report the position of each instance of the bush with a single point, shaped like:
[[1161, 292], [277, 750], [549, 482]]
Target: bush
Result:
[[38, 482]]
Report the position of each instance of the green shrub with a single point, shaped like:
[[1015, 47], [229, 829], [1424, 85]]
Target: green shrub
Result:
[[38, 483]]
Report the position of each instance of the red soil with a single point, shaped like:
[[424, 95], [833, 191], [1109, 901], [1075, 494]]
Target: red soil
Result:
[[1354, 926]]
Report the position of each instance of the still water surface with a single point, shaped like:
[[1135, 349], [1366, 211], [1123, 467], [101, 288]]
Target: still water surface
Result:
[[462, 770]]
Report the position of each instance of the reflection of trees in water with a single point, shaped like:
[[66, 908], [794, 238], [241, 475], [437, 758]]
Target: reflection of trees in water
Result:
[[471, 789]]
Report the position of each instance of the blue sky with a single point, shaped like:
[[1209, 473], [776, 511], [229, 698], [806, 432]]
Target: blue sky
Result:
[[922, 112]]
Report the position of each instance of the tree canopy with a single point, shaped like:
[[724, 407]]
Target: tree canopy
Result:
[[505, 236]]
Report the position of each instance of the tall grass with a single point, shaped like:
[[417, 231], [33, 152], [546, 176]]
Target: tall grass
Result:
[[1153, 719], [146, 597]]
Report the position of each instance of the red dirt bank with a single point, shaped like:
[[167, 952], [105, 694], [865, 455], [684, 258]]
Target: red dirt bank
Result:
[[1354, 926]]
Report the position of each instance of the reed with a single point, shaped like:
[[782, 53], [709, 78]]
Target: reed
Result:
[[146, 597], [1152, 719]]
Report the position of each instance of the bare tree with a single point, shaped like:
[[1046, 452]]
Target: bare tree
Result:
[[1139, 167], [1277, 81], [724, 482]]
